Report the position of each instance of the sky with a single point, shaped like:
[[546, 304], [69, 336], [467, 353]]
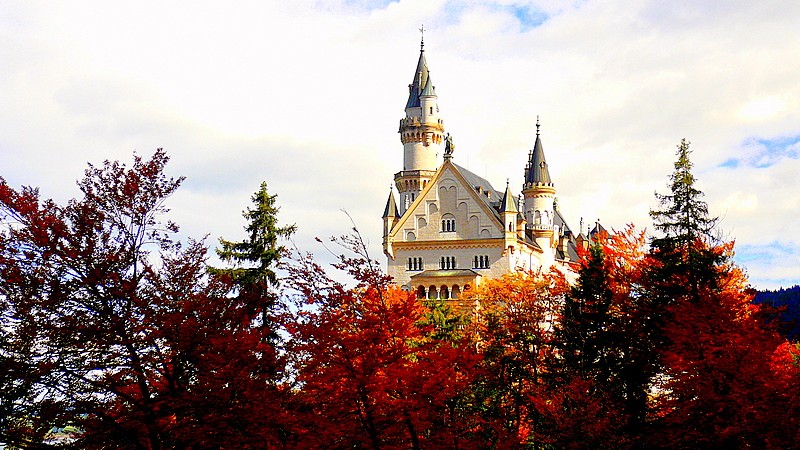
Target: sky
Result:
[[307, 95]]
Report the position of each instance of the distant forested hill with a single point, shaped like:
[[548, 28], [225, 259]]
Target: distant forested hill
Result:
[[787, 305]]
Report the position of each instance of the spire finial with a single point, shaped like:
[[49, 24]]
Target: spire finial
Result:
[[422, 38], [507, 182], [537, 125]]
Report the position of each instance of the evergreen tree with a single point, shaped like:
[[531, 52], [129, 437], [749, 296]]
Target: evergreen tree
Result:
[[686, 233], [683, 217], [601, 335], [255, 257]]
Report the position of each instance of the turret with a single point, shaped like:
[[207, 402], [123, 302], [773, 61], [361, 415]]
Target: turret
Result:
[[508, 214], [422, 134], [539, 192], [390, 218]]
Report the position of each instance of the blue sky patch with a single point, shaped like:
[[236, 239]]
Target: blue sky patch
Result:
[[529, 17], [765, 152]]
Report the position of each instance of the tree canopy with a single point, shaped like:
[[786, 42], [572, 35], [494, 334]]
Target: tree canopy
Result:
[[114, 334]]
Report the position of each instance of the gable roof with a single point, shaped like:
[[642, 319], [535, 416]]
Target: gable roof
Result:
[[470, 181]]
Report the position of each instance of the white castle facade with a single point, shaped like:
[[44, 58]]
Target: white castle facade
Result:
[[451, 229]]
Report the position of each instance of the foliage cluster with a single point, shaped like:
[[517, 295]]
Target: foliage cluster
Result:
[[115, 335]]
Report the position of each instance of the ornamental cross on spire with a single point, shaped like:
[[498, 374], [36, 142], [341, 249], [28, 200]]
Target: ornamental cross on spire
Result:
[[422, 37]]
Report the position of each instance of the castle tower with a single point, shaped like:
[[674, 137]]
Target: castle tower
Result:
[[390, 218], [422, 134], [508, 214], [539, 192]]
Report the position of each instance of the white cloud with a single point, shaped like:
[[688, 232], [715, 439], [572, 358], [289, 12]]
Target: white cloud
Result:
[[307, 95]]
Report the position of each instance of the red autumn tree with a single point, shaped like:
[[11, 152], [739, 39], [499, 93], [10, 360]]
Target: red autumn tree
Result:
[[374, 370], [512, 396], [725, 379], [729, 380], [114, 329]]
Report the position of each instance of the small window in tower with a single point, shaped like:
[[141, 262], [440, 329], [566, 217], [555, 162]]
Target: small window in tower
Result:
[[431, 110]]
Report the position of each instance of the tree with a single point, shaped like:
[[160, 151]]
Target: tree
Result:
[[687, 231], [512, 394], [728, 380], [115, 329], [601, 335], [254, 260], [374, 369], [724, 380]]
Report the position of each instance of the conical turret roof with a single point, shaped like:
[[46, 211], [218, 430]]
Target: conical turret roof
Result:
[[508, 205], [420, 81], [391, 207], [536, 171], [429, 89]]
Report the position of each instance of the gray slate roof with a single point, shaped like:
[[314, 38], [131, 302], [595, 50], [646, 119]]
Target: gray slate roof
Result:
[[536, 171], [391, 207], [419, 82]]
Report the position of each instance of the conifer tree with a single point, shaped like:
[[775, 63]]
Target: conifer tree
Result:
[[686, 232], [255, 257], [721, 372], [683, 216]]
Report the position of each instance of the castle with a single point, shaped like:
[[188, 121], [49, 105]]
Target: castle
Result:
[[451, 229]]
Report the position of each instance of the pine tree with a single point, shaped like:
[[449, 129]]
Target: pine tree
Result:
[[687, 233], [254, 258], [683, 216]]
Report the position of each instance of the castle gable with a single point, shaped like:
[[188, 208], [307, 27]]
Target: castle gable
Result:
[[451, 208]]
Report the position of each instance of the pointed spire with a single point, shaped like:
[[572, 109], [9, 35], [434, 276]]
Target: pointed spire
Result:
[[420, 81], [509, 204], [429, 89], [537, 171], [391, 206]]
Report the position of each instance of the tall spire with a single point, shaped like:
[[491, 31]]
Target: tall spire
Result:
[[420, 80], [537, 171]]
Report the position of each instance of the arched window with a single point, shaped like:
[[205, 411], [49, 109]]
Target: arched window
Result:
[[455, 292], [481, 262], [447, 262], [421, 292], [444, 293], [448, 223], [432, 293]]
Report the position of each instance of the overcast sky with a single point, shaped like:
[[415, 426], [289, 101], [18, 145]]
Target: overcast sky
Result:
[[307, 95]]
